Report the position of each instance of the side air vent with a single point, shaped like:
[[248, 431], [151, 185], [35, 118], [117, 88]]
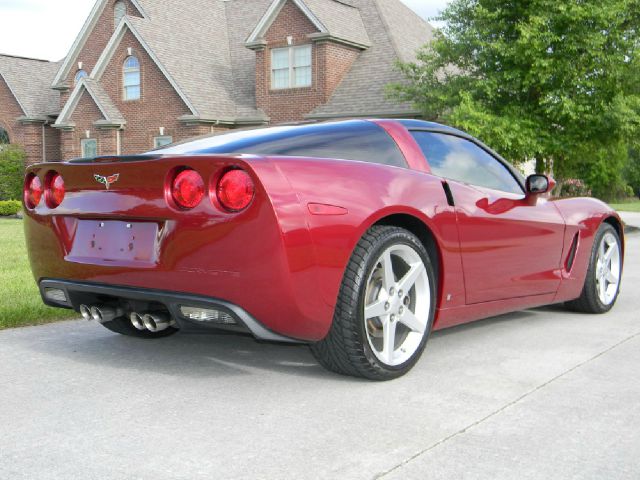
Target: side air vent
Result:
[[449, 194], [572, 253]]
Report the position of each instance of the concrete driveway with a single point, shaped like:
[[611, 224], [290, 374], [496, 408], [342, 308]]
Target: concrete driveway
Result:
[[533, 395]]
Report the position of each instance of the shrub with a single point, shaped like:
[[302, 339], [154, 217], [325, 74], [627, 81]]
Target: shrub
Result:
[[574, 187], [11, 172], [9, 208]]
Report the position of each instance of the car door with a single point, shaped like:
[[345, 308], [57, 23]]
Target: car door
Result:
[[509, 247]]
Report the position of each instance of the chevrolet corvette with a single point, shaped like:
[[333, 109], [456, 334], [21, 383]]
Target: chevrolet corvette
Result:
[[357, 237]]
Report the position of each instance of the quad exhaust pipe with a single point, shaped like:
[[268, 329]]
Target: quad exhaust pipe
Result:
[[100, 313], [152, 321]]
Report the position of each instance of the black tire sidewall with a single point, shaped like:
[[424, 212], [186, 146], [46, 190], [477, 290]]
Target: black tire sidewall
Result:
[[397, 237], [590, 282]]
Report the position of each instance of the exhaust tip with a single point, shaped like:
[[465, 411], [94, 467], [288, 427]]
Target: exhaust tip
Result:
[[137, 321], [85, 311], [157, 322], [96, 314]]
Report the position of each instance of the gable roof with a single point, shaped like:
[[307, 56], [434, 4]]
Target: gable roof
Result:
[[396, 33], [29, 80], [334, 19], [110, 112], [69, 61], [200, 47]]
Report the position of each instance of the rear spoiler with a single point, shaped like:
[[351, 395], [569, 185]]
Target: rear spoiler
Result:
[[115, 158]]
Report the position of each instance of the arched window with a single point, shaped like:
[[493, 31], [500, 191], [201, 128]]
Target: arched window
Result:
[[80, 74], [131, 79], [119, 11], [4, 136]]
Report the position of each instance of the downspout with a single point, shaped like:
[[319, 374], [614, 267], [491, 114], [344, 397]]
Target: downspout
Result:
[[44, 144], [118, 146]]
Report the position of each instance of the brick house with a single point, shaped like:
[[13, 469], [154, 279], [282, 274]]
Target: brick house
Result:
[[143, 73]]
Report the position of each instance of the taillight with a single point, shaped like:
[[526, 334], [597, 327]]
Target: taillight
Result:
[[187, 189], [235, 190], [55, 190], [32, 191]]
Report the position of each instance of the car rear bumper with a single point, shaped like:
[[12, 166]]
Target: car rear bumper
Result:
[[89, 293]]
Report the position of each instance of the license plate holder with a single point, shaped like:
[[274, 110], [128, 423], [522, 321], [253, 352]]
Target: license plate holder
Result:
[[110, 242]]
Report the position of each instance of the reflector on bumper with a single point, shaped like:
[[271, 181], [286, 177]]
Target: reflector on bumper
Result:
[[55, 295], [206, 315]]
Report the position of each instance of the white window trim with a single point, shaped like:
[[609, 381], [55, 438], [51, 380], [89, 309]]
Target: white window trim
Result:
[[126, 70], [83, 144], [292, 67]]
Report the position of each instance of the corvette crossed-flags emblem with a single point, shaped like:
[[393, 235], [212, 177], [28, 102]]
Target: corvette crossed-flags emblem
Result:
[[107, 181]]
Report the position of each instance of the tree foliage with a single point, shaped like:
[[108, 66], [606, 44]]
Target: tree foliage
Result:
[[555, 81], [11, 172]]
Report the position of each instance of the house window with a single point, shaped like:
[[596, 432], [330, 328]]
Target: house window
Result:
[[119, 11], [162, 141], [80, 74], [131, 79], [4, 136], [291, 67], [89, 148]]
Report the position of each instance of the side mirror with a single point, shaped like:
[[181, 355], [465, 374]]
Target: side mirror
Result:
[[539, 184]]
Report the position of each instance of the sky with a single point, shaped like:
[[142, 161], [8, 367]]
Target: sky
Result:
[[46, 28]]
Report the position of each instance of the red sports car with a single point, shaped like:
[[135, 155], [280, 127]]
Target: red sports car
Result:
[[358, 237]]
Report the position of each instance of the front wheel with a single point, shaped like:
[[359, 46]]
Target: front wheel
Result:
[[385, 308], [602, 284]]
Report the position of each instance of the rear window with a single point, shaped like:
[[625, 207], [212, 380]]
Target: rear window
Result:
[[357, 140]]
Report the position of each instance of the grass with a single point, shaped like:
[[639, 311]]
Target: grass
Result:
[[20, 303], [631, 206]]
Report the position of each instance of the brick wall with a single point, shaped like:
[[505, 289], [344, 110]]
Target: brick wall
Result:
[[159, 106], [97, 41], [28, 136], [330, 62]]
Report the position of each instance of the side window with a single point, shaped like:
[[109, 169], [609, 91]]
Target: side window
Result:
[[461, 160], [369, 143]]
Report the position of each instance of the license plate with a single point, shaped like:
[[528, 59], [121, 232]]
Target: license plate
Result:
[[115, 243]]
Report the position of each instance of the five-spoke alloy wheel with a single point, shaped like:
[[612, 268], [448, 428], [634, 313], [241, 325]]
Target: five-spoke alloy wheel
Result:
[[385, 308], [602, 283]]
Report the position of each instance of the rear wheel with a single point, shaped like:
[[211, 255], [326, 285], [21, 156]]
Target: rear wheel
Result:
[[123, 326], [385, 308], [602, 284]]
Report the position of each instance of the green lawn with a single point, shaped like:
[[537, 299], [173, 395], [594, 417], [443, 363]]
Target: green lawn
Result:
[[633, 206], [20, 303]]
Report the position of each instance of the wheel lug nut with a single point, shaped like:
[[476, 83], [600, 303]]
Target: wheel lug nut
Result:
[[401, 311], [387, 306], [392, 291], [400, 294], [393, 318]]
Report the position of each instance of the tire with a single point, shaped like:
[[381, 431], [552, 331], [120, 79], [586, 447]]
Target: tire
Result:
[[596, 298], [123, 326], [359, 346]]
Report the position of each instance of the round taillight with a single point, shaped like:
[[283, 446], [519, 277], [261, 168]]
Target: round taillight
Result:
[[32, 191], [187, 189], [55, 190], [235, 190]]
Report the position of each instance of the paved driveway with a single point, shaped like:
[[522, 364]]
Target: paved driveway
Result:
[[532, 395]]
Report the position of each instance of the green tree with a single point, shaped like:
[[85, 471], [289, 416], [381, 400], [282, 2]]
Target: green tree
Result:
[[11, 172], [555, 81]]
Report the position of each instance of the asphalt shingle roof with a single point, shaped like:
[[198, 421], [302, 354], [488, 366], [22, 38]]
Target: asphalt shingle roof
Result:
[[342, 20], [396, 33], [30, 81], [108, 108], [201, 44]]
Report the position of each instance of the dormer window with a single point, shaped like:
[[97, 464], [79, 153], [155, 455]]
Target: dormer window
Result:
[[291, 67], [119, 11], [131, 72], [80, 74]]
